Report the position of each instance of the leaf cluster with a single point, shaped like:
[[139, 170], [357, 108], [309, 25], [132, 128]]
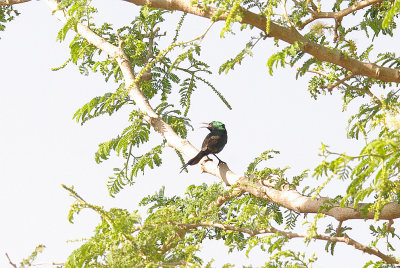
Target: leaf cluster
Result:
[[7, 14], [176, 227]]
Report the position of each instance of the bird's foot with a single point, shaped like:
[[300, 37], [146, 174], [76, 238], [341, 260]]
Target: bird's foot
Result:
[[221, 162]]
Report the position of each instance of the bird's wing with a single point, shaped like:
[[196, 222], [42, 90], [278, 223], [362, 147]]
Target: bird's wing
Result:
[[212, 143]]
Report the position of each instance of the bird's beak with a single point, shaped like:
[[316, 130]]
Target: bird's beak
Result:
[[206, 125]]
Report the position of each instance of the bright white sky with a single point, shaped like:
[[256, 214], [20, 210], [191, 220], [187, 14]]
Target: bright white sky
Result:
[[42, 147]]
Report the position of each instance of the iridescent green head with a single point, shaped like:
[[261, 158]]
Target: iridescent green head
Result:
[[216, 125]]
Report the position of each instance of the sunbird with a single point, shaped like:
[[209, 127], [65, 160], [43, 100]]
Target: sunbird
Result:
[[212, 144]]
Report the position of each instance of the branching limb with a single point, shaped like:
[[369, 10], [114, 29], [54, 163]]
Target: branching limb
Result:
[[288, 198], [287, 34], [343, 82], [271, 230], [338, 83], [338, 16]]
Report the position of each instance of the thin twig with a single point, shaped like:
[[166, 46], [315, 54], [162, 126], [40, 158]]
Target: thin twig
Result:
[[51, 263], [344, 239], [338, 83], [9, 260], [339, 228]]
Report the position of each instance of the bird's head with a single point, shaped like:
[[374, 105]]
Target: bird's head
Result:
[[214, 125]]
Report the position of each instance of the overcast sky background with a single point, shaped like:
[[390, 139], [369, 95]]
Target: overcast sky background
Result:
[[42, 147]]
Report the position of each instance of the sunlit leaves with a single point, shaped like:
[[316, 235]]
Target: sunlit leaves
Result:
[[28, 262], [175, 227], [280, 58], [7, 14], [168, 75], [393, 11], [107, 104], [374, 171]]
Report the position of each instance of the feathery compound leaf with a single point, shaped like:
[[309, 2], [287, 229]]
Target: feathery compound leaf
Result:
[[107, 104], [263, 157], [28, 262], [280, 57], [116, 183], [230, 64], [7, 14], [394, 10], [104, 150], [150, 159], [78, 11], [173, 118]]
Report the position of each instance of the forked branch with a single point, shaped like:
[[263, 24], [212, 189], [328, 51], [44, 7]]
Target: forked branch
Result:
[[287, 34], [271, 230], [287, 198]]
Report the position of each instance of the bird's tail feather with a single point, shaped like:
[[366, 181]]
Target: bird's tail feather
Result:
[[194, 160]]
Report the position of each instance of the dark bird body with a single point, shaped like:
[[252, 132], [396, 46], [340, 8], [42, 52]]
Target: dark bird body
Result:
[[212, 144]]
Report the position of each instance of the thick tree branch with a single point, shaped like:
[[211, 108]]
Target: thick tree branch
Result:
[[289, 35], [288, 198], [12, 2], [293, 200], [271, 230]]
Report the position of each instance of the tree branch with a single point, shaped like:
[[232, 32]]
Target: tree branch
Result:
[[338, 83], [12, 2], [271, 230], [289, 35], [288, 198], [11, 263], [338, 16], [293, 200]]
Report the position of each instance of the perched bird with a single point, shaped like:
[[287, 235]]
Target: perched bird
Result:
[[212, 144]]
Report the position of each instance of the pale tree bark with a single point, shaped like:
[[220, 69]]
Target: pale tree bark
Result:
[[290, 199]]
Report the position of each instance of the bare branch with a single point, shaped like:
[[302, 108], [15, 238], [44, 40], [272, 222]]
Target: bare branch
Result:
[[11, 263]]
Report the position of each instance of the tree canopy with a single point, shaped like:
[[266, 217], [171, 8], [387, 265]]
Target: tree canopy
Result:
[[335, 45]]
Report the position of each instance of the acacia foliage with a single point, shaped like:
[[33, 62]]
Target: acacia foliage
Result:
[[7, 14], [175, 227]]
